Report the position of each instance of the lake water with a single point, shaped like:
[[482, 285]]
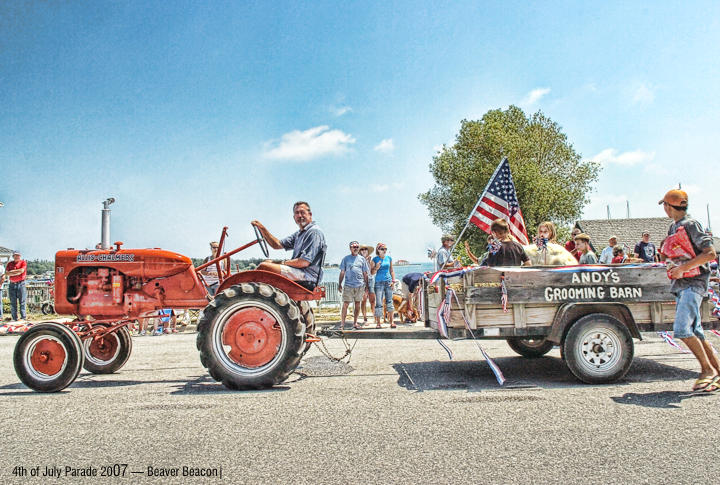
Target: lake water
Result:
[[332, 274]]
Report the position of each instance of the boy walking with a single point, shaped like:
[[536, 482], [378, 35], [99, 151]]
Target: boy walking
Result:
[[690, 291]]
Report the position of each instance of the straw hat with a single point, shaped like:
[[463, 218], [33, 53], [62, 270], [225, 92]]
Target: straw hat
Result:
[[369, 248]]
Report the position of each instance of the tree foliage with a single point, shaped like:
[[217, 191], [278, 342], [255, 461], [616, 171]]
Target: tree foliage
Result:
[[551, 180]]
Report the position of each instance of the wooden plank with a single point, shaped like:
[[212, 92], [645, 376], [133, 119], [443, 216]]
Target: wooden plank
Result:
[[540, 314], [519, 315], [640, 312]]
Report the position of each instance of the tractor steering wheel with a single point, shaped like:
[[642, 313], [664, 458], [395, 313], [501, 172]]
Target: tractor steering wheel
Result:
[[261, 242]]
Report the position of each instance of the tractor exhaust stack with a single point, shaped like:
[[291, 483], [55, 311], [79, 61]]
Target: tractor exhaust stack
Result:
[[105, 229]]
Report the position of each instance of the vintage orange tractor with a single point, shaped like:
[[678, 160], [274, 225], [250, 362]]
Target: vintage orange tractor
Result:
[[252, 333]]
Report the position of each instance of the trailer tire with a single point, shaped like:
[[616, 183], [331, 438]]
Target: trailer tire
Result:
[[598, 349], [47, 309], [108, 356], [530, 348], [48, 357], [251, 336]]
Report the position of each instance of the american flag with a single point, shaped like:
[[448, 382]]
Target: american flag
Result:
[[499, 201]]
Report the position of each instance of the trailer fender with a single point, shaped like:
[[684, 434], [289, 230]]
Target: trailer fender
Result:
[[568, 313]]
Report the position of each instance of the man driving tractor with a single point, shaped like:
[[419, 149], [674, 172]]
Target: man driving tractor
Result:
[[308, 246]]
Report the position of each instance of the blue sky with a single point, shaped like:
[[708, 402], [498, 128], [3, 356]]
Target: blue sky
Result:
[[196, 115]]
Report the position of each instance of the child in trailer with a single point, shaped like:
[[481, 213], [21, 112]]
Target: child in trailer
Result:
[[546, 251], [582, 245], [505, 251], [618, 255]]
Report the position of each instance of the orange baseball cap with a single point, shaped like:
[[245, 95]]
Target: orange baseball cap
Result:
[[675, 197]]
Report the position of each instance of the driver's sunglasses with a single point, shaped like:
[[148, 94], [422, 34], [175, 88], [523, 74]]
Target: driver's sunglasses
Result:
[[354, 247]]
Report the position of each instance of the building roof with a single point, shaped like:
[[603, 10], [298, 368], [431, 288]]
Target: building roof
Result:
[[4, 250], [628, 231]]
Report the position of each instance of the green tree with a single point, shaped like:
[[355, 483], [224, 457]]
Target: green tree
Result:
[[551, 180]]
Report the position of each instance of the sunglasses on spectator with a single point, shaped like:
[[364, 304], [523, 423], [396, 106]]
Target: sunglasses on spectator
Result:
[[354, 247]]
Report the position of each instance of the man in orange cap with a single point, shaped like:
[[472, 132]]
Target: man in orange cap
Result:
[[690, 291]]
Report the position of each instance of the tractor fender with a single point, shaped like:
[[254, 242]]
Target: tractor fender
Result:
[[568, 313], [293, 290]]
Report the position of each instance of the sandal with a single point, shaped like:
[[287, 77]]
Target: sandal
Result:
[[702, 383], [392, 325], [713, 387], [357, 326], [378, 326]]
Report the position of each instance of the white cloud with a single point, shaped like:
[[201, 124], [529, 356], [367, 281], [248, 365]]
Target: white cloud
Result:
[[535, 95], [386, 187], [340, 110], [643, 94], [692, 189], [385, 146], [611, 155], [306, 145]]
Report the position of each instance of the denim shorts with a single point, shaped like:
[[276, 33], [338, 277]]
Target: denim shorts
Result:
[[688, 322]]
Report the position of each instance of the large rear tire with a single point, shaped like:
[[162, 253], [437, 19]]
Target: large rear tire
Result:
[[251, 336], [107, 354], [530, 348], [309, 320], [48, 357], [598, 349]]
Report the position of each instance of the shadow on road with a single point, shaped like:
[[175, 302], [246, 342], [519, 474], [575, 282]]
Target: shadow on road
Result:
[[544, 372], [662, 399], [207, 385]]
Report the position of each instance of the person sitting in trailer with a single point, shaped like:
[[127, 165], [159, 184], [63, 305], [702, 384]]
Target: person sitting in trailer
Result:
[[505, 251], [307, 244], [546, 251], [444, 259], [618, 255]]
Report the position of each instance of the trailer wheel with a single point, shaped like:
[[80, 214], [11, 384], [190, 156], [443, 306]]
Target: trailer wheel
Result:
[[529, 347], [107, 354], [598, 349], [309, 320], [251, 336], [48, 357]]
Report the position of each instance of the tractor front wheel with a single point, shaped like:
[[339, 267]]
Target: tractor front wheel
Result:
[[48, 357], [105, 354], [251, 336]]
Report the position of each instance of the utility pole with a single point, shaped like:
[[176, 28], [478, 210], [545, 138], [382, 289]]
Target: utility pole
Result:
[[608, 211], [628, 209], [708, 214]]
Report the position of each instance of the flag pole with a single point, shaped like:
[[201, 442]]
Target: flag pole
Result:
[[467, 222]]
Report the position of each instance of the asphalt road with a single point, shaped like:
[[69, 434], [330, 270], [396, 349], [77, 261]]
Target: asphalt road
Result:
[[400, 412]]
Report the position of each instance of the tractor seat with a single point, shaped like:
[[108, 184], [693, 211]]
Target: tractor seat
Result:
[[308, 285]]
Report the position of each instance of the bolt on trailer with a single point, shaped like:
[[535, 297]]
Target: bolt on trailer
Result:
[[592, 312]]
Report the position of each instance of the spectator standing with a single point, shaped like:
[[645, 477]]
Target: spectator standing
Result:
[[444, 259], [354, 270], [17, 272], [505, 251], [366, 252], [646, 250], [582, 245], [689, 292], [382, 268], [570, 245], [606, 256]]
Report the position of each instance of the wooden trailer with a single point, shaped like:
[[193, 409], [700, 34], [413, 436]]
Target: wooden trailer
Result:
[[591, 312]]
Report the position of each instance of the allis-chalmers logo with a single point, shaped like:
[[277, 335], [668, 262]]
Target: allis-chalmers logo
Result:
[[84, 258]]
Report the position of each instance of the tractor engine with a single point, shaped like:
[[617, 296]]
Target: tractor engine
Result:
[[121, 283]]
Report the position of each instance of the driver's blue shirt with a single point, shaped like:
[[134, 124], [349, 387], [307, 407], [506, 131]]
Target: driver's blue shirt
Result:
[[308, 244]]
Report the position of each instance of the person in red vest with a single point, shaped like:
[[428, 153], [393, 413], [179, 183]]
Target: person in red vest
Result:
[[16, 270]]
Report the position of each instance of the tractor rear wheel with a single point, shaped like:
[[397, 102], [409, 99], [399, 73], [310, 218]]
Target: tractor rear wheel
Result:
[[48, 357], [309, 319], [251, 336], [107, 353]]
